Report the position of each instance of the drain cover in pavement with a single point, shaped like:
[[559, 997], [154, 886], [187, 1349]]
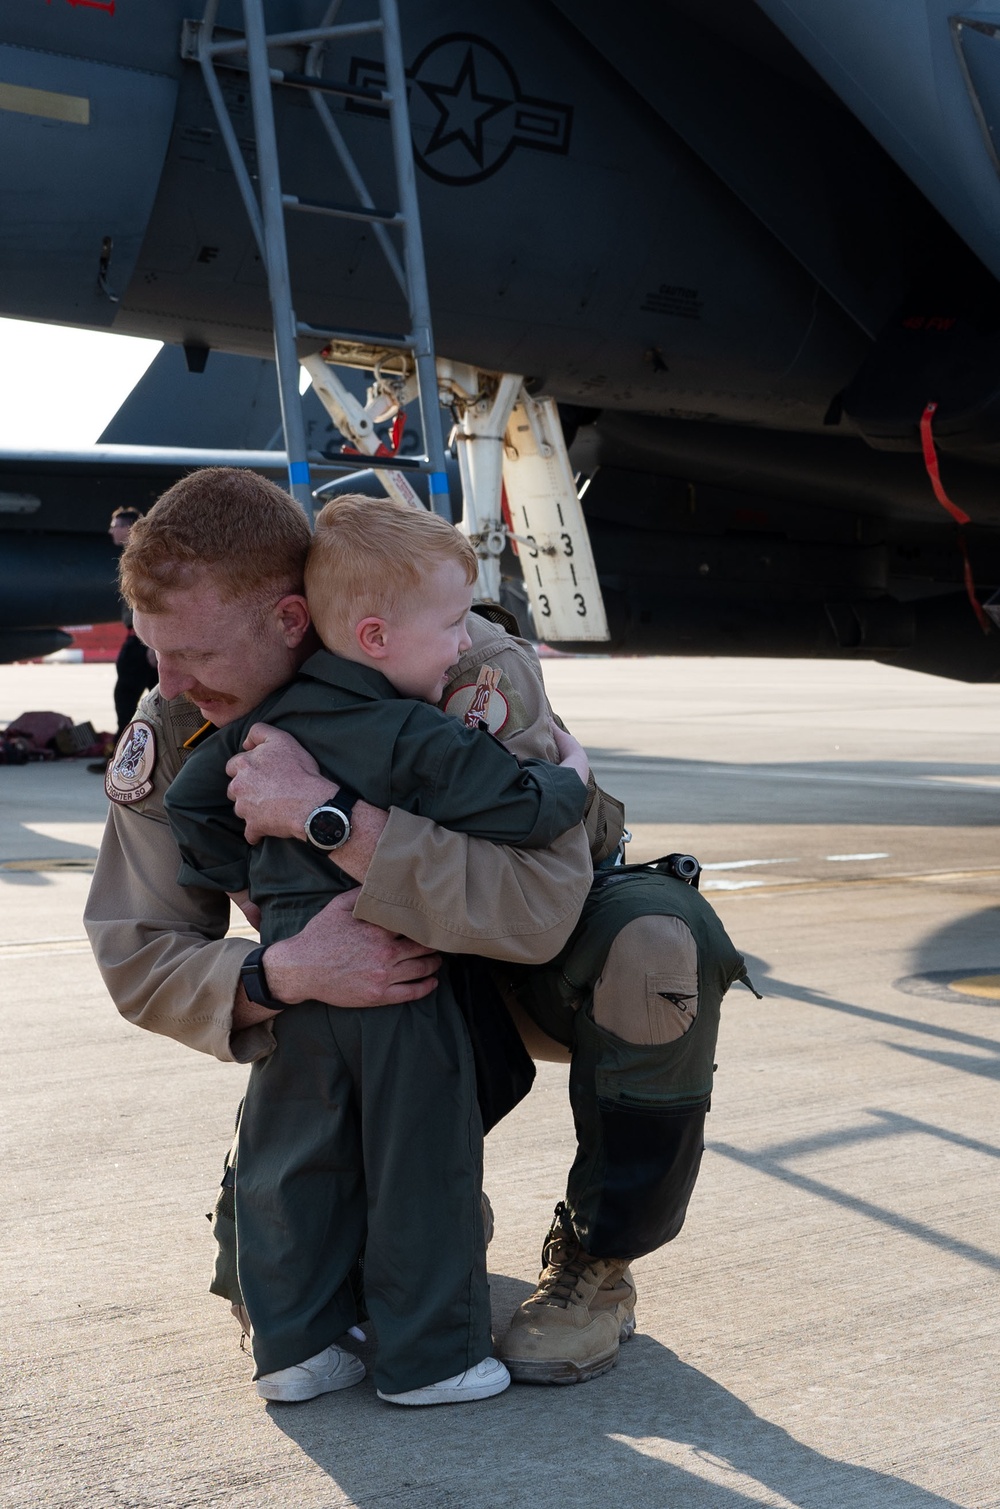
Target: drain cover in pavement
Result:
[[947, 984]]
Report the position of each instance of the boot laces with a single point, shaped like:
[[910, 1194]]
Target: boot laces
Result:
[[564, 1263]]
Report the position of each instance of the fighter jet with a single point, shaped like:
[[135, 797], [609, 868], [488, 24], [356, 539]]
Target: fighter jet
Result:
[[748, 254]]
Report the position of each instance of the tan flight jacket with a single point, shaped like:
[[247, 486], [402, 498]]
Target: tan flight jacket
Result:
[[162, 949]]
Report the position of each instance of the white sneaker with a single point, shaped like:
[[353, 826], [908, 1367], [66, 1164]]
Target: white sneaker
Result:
[[328, 1371], [487, 1378]]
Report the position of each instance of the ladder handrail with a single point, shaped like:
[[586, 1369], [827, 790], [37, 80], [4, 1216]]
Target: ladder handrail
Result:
[[266, 215], [276, 251], [414, 264]]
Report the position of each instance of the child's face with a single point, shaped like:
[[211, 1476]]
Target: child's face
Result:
[[425, 635]]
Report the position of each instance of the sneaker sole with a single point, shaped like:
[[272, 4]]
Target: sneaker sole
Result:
[[426, 1397], [563, 1370], [298, 1393]]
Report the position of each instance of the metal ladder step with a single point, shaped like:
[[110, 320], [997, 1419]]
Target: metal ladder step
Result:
[[366, 94], [342, 211], [373, 338]]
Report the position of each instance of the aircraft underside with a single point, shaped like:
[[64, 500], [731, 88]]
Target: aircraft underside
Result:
[[768, 314]]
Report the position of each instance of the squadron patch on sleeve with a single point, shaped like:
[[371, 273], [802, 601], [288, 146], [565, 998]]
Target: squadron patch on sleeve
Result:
[[129, 776], [480, 702]]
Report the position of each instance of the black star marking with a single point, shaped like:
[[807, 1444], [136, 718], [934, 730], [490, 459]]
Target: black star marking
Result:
[[463, 104]]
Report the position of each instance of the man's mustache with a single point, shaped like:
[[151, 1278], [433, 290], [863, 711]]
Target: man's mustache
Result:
[[200, 693]]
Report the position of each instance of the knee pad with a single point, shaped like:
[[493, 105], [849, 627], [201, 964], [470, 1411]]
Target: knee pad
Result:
[[647, 992]]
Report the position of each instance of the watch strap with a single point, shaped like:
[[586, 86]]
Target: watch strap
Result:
[[344, 801], [254, 981]]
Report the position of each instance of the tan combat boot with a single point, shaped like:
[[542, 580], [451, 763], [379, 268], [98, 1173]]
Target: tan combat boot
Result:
[[570, 1328]]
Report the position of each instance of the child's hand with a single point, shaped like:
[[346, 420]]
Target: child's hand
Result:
[[572, 754], [246, 906]]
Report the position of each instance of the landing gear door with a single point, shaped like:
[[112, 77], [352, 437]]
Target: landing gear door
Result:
[[547, 524]]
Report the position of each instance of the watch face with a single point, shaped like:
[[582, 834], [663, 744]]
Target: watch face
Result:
[[327, 828]]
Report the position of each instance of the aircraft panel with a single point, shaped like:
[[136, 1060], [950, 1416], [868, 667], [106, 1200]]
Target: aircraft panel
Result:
[[896, 66], [81, 149], [611, 265]]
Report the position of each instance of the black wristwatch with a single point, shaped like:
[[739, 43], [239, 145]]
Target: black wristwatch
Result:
[[254, 981], [329, 827]]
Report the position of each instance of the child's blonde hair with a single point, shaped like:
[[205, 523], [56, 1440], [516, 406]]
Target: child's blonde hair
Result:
[[367, 553]]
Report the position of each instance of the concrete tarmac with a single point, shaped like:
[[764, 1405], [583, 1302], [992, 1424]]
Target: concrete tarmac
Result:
[[824, 1331]]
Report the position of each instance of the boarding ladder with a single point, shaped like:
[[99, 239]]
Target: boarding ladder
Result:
[[517, 481], [412, 373]]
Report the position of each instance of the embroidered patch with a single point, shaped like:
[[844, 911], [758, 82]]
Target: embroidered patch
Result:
[[129, 776], [462, 700]]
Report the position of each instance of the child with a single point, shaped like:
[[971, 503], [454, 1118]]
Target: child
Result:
[[361, 1130]]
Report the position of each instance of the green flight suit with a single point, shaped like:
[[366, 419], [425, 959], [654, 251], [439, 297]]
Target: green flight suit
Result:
[[639, 1111], [362, 1128]]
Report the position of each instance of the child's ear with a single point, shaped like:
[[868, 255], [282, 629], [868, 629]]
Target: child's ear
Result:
[[372, 637]]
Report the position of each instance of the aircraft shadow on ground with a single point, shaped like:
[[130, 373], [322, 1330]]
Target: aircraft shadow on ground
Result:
[[47, 794], [968, 943], [652, 1432], [967, 940], [774, 1160], [51, 855], [891, 793]]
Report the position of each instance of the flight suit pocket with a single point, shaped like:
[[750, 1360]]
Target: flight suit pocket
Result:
[[654, 1077], [671, 1005]]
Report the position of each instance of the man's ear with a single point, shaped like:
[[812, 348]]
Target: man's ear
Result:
[[292, 613], [372, 637]]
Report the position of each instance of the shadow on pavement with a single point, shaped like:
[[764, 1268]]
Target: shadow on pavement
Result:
[[883, 793], [774, 1159], [653, 1432], [960, 942], [769, 987], [61, 858]]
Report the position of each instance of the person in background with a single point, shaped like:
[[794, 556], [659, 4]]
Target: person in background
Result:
[[135, 666]]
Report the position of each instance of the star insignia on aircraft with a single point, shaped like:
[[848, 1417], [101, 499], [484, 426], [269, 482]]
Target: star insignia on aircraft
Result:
[[464, 111], [468, 110]]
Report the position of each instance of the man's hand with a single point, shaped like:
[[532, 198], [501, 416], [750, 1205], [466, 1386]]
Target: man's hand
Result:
[[342, 961], [572, 754], [275, 784]]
